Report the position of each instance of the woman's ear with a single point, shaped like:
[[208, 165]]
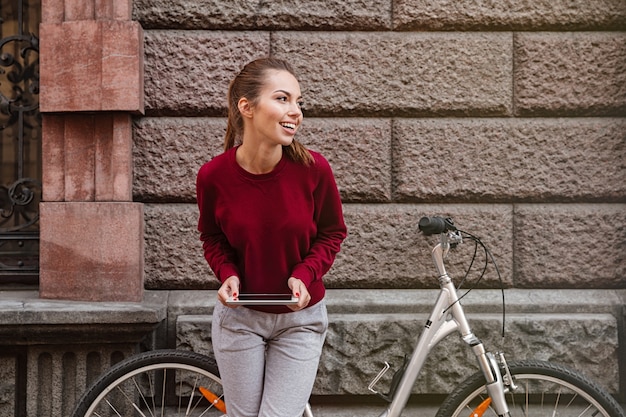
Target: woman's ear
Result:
[[245, 107]]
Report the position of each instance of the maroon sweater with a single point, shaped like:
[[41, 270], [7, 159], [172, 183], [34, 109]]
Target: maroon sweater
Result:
[[269, 227]]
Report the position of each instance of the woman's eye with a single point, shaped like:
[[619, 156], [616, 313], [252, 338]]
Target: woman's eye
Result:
[[282, 98], [301, 104]]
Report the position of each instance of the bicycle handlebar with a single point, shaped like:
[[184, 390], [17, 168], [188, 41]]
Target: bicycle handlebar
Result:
[[435, 225]]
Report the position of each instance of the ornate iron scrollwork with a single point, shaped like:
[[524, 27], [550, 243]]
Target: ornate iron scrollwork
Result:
[[19, 205], [20, 133], [22, 77]]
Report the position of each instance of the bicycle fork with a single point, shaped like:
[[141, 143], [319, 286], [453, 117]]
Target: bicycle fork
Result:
[[494, 382]]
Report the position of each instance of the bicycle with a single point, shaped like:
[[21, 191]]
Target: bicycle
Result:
[[173, 382]]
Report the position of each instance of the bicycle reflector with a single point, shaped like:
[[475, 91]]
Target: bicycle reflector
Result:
[[213, 399], [482, 407]]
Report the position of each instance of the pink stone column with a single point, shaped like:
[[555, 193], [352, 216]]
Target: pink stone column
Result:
[[91, 83]]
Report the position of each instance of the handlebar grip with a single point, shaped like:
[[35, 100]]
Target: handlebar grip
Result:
[[435, 225]]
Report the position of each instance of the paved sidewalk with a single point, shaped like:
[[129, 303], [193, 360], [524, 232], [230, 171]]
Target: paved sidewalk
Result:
[[369, 411], [375, 410], [368, 408]]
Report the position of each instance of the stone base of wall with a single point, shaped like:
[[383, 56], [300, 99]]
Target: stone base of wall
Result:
[[53, 349], [577, 328]]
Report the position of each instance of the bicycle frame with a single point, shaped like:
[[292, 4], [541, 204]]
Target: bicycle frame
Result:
[[555, 387], [446, 317]]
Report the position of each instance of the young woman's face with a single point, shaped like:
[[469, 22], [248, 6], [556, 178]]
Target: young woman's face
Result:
[[277, 113]]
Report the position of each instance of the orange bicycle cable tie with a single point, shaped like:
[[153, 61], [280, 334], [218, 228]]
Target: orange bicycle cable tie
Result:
[[482, 407], [213, 399]]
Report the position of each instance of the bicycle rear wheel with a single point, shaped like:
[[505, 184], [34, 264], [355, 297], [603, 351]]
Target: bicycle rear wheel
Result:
[[543, 389], [158, 383]]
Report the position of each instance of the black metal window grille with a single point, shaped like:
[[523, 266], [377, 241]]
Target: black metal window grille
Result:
[[20, 141]]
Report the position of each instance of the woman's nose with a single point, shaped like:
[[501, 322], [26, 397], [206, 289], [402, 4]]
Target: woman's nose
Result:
[[295, 109]]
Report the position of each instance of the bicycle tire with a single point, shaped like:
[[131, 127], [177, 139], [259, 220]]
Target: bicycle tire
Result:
[[155, 383], [542, 386]]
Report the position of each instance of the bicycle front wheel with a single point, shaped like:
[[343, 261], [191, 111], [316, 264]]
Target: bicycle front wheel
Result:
[[158, 383], [543, 389]]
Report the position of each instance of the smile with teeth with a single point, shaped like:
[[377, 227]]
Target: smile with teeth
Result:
[[291, 126]]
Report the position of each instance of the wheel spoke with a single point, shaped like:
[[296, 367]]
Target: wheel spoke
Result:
[[143, 398], [113, 409], [543, 390], [157, 384]]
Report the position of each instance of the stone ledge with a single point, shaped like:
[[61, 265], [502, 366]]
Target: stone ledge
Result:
[[381, 301], [27, 319]]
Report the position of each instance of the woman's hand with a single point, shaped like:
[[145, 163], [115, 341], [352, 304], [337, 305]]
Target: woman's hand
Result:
[[230, 287], [298, 289]]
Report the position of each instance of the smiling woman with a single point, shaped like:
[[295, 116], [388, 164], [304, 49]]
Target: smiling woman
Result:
[[270, 119], [246, 92], [271, 222]]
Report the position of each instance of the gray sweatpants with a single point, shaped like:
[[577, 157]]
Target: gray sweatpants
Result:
[[268, 362]]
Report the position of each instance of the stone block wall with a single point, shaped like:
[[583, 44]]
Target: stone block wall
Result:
[[510, 117]]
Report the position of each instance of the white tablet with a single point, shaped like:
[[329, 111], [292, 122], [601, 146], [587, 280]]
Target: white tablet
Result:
[[263, 299]]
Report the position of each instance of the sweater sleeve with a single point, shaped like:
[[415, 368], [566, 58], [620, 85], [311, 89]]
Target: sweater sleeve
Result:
[[217, 251], [331, 229]]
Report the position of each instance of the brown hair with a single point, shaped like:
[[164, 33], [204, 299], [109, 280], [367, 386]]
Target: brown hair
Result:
[[248, 83]]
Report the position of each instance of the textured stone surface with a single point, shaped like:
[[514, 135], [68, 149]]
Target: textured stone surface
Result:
[[509, 15], [169, 151], [571, 74], [254, 14], [570, 246], [79, 149], [377, 15], [357, 346], [113, 176], [71, 10], [87, 157], [384, 248], [366, 331], [187, 72], [107, 74], [173, 254], [53, 157], [474, 160], [54, 349], [406, 74], [369, 73], [497, 160], [8, 388], [57, 376], [91, 251], [344, 141]]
